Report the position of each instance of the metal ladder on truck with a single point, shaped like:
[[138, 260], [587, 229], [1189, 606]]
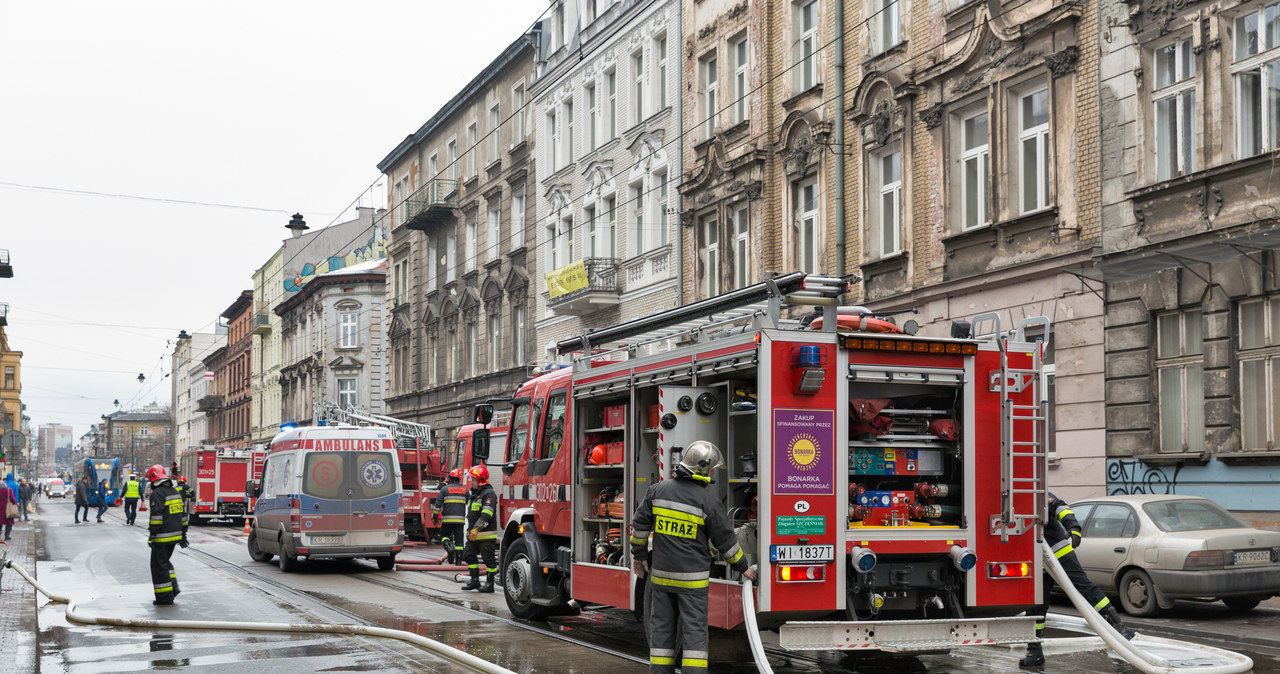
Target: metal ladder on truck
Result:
[[1014, 418], [406, 432]]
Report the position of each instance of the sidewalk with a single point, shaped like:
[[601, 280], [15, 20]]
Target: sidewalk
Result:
[[18, 624]]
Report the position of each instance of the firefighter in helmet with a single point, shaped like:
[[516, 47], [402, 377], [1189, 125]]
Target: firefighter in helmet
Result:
[[482, 530], [168, 529], [451, 507], [683, 516], [1063, 533]]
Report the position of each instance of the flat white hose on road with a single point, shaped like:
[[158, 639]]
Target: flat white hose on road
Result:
[[436, 647], [753, 633], [1235, 663]]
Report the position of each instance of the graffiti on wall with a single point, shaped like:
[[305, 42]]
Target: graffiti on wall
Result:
[[1136, 477], [375, 248]]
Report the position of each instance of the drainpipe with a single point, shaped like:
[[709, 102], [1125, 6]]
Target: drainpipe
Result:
[[839, 139], [680, 162]]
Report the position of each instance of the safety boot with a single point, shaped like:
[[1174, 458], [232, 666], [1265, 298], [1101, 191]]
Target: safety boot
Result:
[[488, 584], [475, 581], [1109, 613], [1035, 653]]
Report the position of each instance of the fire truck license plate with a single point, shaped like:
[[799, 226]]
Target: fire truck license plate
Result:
[[802, 553]]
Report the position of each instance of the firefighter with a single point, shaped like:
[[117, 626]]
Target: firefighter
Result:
[[450, 507], [1063, 533], [482, 530], [132, 492], [683, 516], [168, 528]]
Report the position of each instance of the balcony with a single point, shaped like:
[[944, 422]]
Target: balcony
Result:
[[209, 404], [261, 322], [584, 286], [432, 204], [6, 269], [4, 314]]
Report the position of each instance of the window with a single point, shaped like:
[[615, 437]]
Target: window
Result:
[[519, 431], [561, 38], [637, 214], [432, 262], [974, 172], [889, 217], [594, 240], [471, 348], [710, 257], [553, 426], [886, 25], [1179, 380], [568, 138], [553, 133], [433, 165], [593, 113], [495, 340], [741, 246], [9, 377], [637, 96], [662, 72], [349, 327], [471, 245], [566, 237], [433, 353], [1257, 74], [611, 114], [347, 392], [451, 258], [495, 122], [1175, 110], [661, 178], [710, 104], [453, 158], [1110, 520], [611, 225], [806, 27], [517, 117], [1033, 144], [495, 231], [517, 322], [517, 221], [1258, 353], [739, 51], [399, 194], [807, 221], [143, 430]]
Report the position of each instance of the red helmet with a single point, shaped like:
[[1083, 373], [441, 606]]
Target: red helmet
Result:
[[456, 474], [596, 456], [479, 473], [156, 472]]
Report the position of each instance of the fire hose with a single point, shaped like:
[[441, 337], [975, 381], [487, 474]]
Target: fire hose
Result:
[[444, 651], [1128, 650], [753, 632]]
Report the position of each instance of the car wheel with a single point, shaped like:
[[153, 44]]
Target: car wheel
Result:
[[255, 552], [1243, 604], [288, 563], [387, 563], [517, 583], [1138, 594]]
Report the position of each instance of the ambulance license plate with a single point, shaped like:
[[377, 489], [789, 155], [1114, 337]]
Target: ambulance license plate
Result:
[[325, 539], [802, 553]]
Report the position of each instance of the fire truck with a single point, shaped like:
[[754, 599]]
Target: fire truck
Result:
[[218, 476], [890, 486]]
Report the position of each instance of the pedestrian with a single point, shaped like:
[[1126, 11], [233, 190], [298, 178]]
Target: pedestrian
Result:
[[24, 496], [7, 514], [482, 530], [11, 483], [102, 499], [132, 492], [450, 506], [168, 528], [82, 498], [1063, 533], [683, 516]]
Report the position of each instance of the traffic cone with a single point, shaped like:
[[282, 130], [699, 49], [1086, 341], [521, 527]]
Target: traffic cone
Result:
[[246, 526], [142, 505]]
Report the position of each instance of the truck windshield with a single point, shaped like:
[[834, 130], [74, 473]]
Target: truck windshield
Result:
[[349, 475]]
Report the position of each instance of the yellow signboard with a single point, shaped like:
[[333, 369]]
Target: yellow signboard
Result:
[[567, 279]]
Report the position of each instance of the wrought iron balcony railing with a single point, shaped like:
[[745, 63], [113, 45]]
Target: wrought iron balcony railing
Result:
[[432, 203]]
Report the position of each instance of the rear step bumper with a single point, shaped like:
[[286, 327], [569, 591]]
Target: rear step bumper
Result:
[[902, 636]]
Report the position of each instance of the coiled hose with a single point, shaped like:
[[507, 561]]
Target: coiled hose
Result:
[[444, 651]]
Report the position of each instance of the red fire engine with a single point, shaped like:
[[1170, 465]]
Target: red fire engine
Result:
[[873, 475], [218, 475]]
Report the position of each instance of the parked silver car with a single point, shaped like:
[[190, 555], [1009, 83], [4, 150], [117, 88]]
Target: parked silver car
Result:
[[1152, 549]]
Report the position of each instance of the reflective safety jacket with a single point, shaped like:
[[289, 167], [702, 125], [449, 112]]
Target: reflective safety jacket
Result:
[[1062, 522], [168, 513], [451, 503], [132, 489], [484, 513], [683, 516]]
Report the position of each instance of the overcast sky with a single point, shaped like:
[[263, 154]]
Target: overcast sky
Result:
[[268, 106]]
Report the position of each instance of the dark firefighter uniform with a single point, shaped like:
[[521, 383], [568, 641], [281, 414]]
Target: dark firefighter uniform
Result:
[[482, 537], [132, 492], [451, 503], [683, 516], [1062, 532], [168, 529]]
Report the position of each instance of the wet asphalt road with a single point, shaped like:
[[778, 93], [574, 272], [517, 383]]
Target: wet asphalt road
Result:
[[104, 567]]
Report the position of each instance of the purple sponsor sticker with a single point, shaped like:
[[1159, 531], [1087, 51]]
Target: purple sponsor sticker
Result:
[[803, 451]]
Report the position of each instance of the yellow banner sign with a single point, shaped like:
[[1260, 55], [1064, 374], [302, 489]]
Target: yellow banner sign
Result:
[[567, 279]]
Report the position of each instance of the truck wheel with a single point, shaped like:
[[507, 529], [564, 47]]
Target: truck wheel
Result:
[[517, 583], [255, 552], [387, 563], [288, 563]]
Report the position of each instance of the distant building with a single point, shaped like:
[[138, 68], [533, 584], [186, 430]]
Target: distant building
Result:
[[268, 292], [10, 393], [140, 438], [53, 446], [229, 400], [190, 385]]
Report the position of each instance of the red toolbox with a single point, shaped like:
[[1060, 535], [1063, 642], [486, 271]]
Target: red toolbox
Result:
[[615, 416], [613, 452]]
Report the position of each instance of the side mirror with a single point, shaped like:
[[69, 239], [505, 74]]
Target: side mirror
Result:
[[251, 489], [483, 414], [480, 441], [509, 468]]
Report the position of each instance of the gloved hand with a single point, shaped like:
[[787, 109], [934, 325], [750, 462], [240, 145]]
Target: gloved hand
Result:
[[750, 574], [435, 517], [471, 535], [183, 543], [640, 567], [150, 544], [1075, 539]]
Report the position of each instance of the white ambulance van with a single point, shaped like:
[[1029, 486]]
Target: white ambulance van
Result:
[[328, 492]]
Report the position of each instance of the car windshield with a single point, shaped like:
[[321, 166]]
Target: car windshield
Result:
[[1191, 515]]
